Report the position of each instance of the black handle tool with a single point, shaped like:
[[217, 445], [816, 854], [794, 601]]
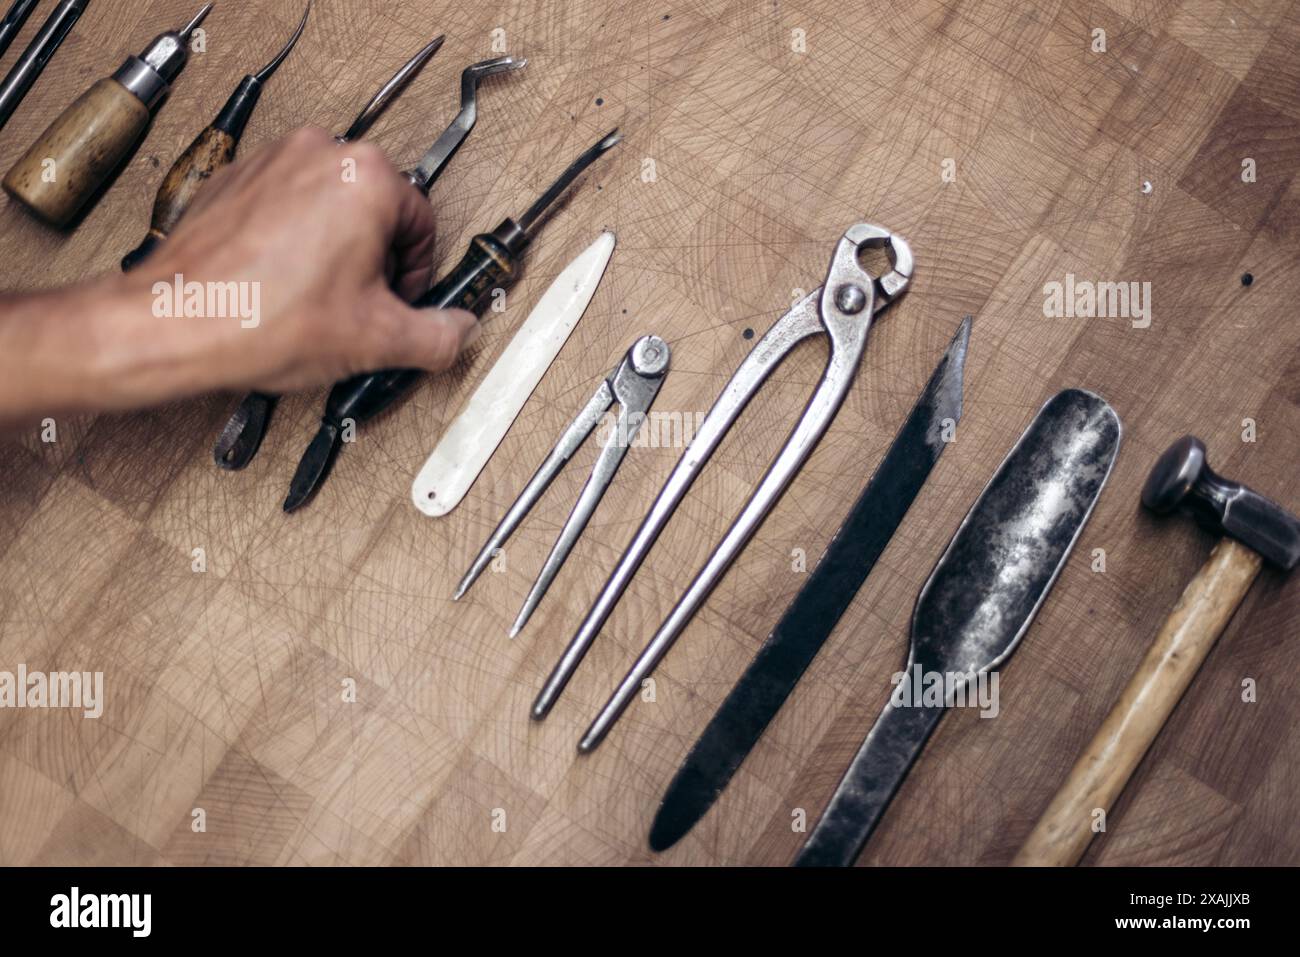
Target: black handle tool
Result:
[[28, 67], [491, 262], [213, 149], [13, 22]]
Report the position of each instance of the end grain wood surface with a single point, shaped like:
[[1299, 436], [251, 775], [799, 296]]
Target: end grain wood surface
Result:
[[225, 688]]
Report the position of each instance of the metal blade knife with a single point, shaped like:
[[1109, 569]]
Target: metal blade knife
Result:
[[812, 616]]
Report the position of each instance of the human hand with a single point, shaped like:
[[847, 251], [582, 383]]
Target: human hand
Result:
[[325, 244]]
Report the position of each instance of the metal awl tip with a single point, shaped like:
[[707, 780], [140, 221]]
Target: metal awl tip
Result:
[[198, 19], [268, 71]]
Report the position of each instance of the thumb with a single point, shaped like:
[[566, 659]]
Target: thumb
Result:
[[428, 339]]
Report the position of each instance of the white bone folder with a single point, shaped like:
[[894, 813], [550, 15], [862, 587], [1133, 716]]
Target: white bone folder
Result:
[[479, 428]]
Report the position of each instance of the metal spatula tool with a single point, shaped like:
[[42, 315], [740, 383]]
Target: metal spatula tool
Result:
[[980, 599]]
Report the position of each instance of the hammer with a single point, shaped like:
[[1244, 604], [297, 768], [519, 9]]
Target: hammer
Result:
[[1255, 530]]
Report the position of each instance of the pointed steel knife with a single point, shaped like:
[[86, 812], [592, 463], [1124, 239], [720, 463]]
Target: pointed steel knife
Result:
[[812, 616], [980, 600]]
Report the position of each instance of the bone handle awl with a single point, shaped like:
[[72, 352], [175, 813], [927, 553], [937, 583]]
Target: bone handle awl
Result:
[[1188, 634]]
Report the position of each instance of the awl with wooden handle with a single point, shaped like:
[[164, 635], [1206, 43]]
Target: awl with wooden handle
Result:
[[81, 149], [211, 150], [1255, 530]]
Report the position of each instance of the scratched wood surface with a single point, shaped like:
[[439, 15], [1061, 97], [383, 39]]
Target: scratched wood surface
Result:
[[224, 689]]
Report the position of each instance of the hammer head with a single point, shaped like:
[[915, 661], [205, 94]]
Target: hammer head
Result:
[[1182, 480]]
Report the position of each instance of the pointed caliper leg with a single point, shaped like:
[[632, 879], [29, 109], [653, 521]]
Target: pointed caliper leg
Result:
[[635, 383]]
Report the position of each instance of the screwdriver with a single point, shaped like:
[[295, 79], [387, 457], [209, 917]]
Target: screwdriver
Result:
[[492, 262], [83, 147], [211, 150]]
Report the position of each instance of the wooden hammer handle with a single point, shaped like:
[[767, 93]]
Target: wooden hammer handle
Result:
[[1188, 634]]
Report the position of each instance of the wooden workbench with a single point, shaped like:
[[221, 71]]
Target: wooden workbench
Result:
[[226, 688]]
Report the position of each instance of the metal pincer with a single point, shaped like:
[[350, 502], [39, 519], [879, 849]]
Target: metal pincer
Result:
[[843, 308]]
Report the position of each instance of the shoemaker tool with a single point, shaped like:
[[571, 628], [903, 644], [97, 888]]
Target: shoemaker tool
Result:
[[213, 149], [39, 52], [633, 385], [389, 92], [242, 436], [811, 618], [978, 602], [492, 262], [1254, 530], [476, 432], [92, 137], [843, 309]]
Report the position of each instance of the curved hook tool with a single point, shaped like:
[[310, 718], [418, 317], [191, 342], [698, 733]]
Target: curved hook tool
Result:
[[268, 71]]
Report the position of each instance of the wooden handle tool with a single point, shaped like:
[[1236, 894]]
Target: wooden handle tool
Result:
[[81, 149], [211, 150], [1256, 530]]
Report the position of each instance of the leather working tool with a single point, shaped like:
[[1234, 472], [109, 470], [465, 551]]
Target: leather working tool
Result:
[[480, 426], [89, 141], [811, 618], [979, 601], [843, 309], [633, 385]]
